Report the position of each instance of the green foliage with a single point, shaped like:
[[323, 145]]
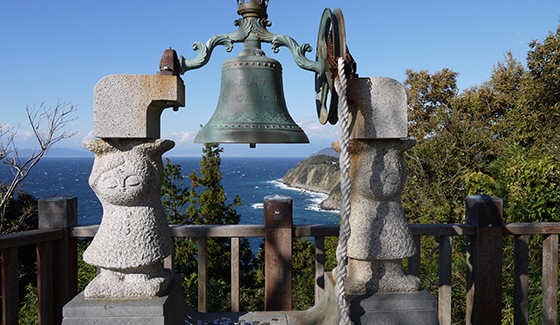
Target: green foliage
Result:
[[428, 99], [303, 273], [205, 204], [500, 138], [86, 272], [20, 214], [29, 306]]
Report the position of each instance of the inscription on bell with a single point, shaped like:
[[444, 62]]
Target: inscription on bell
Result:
[[246, 82], [252, 99]]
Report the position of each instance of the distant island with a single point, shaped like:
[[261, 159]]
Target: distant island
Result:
[[318, 173]]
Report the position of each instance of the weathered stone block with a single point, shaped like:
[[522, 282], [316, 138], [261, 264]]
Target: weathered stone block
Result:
[[130, 106], [167, 309], [394, 308], [377, 108]]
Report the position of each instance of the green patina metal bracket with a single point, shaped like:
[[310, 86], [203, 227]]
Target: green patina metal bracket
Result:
[[252, 24]]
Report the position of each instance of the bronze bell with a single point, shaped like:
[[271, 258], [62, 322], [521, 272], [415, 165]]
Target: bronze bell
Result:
[[251, 107]]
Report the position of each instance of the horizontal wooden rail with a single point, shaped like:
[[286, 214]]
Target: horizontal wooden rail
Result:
[[446, 229], [30, 237], [543, 228], [200, 231]]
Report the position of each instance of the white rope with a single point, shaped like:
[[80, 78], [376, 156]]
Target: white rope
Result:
[[345, 184]]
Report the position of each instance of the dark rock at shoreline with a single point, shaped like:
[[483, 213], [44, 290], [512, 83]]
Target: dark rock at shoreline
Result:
[[333, 201]]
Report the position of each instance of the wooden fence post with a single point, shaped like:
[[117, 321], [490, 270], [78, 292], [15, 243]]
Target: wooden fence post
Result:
[[61, 212], [484, 260], [550, 280], [10, 294], [278, 224], [203, 274], [319, 267]]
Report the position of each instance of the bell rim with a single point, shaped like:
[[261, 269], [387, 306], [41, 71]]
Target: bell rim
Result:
[[248, 135]]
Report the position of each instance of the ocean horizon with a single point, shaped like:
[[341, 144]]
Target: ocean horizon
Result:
[[250, 178]]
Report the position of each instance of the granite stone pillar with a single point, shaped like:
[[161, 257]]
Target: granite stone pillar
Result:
[[377, 287]]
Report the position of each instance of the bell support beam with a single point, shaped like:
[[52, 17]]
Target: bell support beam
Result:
[[252, 26]]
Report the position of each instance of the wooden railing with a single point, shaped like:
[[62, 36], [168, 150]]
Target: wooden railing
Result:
[[484, 255], [57, 262]]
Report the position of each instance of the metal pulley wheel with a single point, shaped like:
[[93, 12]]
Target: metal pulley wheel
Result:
[[331, 44]]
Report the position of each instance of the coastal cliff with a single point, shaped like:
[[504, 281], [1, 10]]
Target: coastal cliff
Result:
[[319, 173]]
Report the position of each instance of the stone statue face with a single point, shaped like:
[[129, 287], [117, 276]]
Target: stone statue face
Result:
[[127, 172], [379, 168], [121, 179]]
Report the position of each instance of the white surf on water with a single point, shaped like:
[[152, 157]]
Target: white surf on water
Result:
[[313, 199], [257, 205]]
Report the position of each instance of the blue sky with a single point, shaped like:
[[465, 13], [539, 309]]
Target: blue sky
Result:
[[51, 50]]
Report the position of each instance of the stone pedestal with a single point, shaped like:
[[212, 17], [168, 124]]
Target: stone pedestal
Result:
[[401, 308], [167, 309]]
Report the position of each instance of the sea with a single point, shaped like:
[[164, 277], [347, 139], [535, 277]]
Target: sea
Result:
[[251, 179]]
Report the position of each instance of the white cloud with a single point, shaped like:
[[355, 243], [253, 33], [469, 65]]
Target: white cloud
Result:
[[181, 137], [315, 130], [25, 136]]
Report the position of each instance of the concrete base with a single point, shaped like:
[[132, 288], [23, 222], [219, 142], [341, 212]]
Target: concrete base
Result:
[[168, 309], [394, 308]]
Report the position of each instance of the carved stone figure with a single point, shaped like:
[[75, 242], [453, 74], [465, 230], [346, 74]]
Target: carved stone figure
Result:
[[134, 235], [380, 237]]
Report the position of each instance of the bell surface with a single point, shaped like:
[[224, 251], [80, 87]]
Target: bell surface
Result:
[[251, 107]]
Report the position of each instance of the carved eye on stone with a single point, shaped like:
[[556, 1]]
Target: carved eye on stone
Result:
[[133, 181], [392, 179], [110, 183]]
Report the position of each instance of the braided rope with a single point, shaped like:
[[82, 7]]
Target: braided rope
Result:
[[345, 184]]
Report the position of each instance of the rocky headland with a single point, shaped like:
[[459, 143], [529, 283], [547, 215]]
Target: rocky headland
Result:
[[318, 173]]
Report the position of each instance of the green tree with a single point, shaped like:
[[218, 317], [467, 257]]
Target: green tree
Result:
[[205, 204], [499, 138], [429, 97]]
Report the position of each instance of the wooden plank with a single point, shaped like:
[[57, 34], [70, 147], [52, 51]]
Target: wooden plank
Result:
[[485, 283], [469, 301], [200, 231], [202, 274], [319, 268], [278, 269], [235, 274], [444, 296], [484, 265], [278, 253], [332, 230], [10, 268], [30, 237], [45, 293], [442, 229], [316, 230], [61, 212], [85, 231], [521, 280], [550, 280], [65, 266], [542, 228], [414, 261]]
